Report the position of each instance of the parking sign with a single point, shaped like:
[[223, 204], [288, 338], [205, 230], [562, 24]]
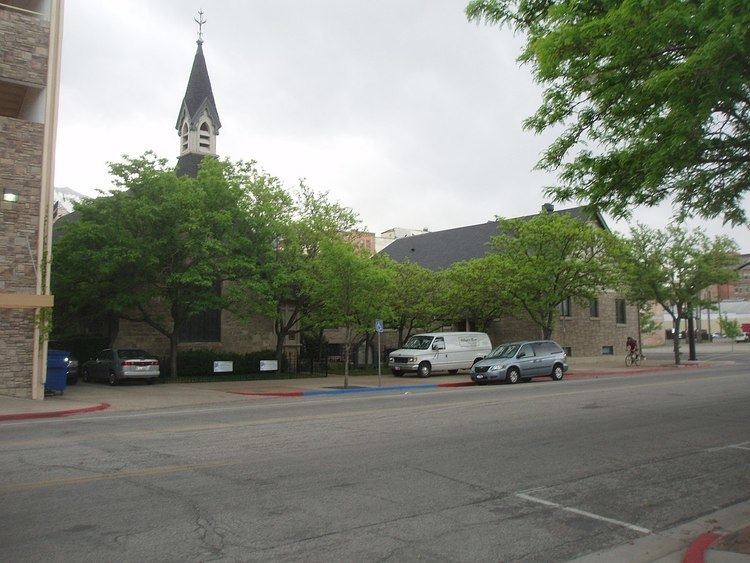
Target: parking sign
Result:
[[379, 325]]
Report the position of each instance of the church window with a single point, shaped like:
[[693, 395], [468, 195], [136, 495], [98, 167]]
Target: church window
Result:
[[205, 136], [184, 137]]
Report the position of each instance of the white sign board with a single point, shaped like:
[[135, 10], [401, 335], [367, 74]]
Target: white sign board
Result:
[[379, 325], [223, 367], [269, 365]]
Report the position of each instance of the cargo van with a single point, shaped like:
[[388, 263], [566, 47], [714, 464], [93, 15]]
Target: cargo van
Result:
[[439, 351]]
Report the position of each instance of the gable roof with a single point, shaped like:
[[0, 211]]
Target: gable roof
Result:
[[198, 94], [441, 249]]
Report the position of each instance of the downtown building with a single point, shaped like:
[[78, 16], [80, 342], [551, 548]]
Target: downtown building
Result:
[[30, 42]]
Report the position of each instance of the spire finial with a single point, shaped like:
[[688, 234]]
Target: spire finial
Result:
[[200, 21]]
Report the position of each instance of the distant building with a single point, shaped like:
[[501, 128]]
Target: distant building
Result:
[[387, 237], [30, 39]]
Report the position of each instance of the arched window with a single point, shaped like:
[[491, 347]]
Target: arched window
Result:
[[204, 139], [184, 136]]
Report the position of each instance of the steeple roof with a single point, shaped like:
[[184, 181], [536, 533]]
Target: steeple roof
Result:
[[198, 94]]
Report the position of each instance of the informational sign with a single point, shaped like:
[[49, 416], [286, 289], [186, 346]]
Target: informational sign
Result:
[[269, 365], [223, 367], [379, 325]]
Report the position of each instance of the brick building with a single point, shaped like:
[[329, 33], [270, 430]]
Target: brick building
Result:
[[30, 38], [599, 327]]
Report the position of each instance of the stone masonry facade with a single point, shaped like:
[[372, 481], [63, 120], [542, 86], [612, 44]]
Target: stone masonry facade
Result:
[[24, 50]]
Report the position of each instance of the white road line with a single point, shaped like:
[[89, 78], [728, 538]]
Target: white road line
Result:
[[584, 513], [740, 446]]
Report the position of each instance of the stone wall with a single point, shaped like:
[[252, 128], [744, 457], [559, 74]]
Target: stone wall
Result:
[[24, 40], [16, 351]]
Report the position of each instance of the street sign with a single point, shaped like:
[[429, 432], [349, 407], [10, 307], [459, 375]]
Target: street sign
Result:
[[379, 325]]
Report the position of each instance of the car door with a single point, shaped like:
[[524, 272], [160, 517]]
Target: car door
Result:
[[103, 362], [526, 361], [544, 357], [440, 359]]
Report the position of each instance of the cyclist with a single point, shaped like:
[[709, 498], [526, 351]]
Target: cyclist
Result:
[[631, 345]]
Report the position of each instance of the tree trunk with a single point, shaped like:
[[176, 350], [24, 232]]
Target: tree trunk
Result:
[[174, 340], [691, 338], [280, 336], [347, 351], [676, 339]]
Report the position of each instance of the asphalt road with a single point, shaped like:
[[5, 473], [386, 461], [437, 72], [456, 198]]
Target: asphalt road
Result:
[[541, 471]]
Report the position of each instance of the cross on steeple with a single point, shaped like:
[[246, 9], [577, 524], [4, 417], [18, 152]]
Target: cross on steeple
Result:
[[200, 21]]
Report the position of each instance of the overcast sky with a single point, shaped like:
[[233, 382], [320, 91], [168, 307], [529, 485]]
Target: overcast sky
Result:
[[401, 109]]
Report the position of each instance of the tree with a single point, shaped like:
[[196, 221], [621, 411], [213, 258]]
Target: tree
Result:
[[349, 289], [477, 291], [156, 250], [672, 268], [730, 329], [414, 297], [550, 258], [281, 290], [652, 98]]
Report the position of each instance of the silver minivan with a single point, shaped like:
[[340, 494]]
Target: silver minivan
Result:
[[524, 360]]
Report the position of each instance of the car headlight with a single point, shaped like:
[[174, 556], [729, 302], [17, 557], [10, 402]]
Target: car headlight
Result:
[[390, 359], [496, 367]]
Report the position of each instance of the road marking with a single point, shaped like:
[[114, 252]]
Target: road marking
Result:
[[740, 446], [584, 513], [125, 473]]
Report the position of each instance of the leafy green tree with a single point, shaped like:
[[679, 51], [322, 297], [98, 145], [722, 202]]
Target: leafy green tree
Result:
[[651, 99], [549, 258], [156, 250], [414, 298], [672, 267], [281, 291], [350, 292], [478, 291], [730, 329]]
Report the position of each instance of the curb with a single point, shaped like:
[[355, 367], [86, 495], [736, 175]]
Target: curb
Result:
[[326, 392], [53, 414], [696, 552]]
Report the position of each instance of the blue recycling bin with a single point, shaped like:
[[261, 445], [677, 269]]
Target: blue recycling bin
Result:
[[57, 370]]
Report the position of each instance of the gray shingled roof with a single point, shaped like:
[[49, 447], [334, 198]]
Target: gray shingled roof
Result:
[[198, 92], [441, 249]]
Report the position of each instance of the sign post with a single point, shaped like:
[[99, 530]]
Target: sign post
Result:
[[379, 329]]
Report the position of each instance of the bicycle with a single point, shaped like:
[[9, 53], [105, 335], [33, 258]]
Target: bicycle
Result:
[[634, 357]]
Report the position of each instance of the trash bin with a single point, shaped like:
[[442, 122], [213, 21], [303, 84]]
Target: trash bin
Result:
[[57, 370]]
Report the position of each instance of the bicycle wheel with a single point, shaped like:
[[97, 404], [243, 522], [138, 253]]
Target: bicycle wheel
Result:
[[637, 359], [629, 360]]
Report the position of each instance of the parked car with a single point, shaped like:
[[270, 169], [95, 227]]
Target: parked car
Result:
[[743, 337], [71, 373], [516, 361], [114, 365], [439, 351]]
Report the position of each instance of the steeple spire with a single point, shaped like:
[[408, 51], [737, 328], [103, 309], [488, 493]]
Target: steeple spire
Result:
[[198, 121]]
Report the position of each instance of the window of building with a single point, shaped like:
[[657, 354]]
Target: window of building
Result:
[[204, 138], [620, 316], [184, 137], [564, 306], [594, 308], [608, 350], [202, 327]]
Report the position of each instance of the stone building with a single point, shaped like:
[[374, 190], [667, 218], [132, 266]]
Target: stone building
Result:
[[30, 40], [198, 126], [598, 327]]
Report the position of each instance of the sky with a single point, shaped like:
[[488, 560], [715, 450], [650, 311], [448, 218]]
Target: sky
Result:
[[400, 109]]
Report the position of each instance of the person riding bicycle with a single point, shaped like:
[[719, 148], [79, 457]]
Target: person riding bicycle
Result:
[[631, 345]]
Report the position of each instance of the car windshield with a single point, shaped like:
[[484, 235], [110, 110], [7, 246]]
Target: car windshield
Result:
[[131, 354], [504, 351], [418, 343]]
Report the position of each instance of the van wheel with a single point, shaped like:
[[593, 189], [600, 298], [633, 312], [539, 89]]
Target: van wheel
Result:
[[453, 371], [512, 376], [425, 369], [557, 372]]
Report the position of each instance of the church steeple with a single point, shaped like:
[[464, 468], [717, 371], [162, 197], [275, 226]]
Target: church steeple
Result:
[[198, 122]]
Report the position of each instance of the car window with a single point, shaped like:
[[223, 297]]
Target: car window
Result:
[[541, 348], [439, 340], [131, 354], [418, 343], [503, 351], [527, 350], [104, 355]]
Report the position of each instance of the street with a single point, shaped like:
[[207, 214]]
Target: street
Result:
[[540, 471]]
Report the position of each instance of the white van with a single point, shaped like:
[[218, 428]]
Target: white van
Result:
[[439, 351]]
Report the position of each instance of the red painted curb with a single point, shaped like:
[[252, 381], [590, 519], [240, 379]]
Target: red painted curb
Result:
[[269, 393], [53, 414], [697, 551]]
